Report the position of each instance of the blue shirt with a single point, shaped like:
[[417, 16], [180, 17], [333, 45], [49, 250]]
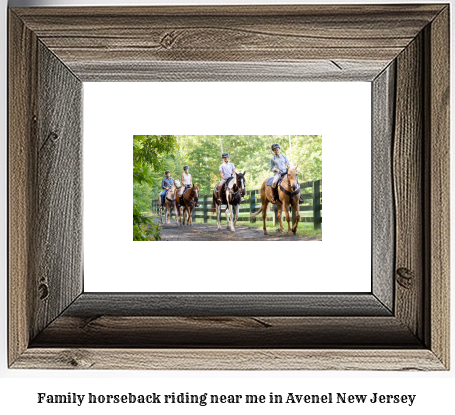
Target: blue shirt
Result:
[[167, 182], [279, 162]]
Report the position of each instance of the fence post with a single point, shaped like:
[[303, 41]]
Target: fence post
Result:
[[275, 215], [252, 204], [205, 208], [193, 214], [317, 204]]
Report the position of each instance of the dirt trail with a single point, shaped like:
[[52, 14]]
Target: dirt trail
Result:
[[204, 232]]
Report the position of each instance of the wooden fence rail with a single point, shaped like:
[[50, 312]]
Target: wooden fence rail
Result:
[[310, 192]]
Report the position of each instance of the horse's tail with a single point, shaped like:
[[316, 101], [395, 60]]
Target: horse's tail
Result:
[[257, 213], [213, 204]]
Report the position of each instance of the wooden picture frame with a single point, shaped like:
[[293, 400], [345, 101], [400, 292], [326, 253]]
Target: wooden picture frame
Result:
[[403, 324]]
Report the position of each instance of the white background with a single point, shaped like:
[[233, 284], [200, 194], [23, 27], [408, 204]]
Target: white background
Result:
[[18, 389], [340, 111]]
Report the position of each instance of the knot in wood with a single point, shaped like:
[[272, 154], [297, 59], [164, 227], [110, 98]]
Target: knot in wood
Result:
[[77, 359], [168, 39], [405, 278], [53, 136], [43, 291]]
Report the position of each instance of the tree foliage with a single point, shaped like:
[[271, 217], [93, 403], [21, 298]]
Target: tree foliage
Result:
[[150, 152], [250, 153]]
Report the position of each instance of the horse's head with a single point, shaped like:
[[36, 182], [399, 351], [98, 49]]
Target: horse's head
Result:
[[240, 182], [195, 192], [293, 176], [177, 183]]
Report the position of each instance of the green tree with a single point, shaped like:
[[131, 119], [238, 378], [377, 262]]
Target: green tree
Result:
[[250, 153], [150, 152]]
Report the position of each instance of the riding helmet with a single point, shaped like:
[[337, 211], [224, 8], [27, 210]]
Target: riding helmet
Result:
[[185, 167], [167, 171], [274, 146], [225, 155]]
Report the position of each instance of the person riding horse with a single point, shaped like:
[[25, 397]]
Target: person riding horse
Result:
[[166, 184], [186, 180], [278, 166], [227, 171]]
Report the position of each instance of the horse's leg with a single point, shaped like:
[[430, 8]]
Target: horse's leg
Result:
[[295, 206], [226, 212], [264, 217], [190, 219], [280, 216], [218, 215], [265, 204], [181, 215], [231, 223], [237, 209], [177, 213], [288, 218]]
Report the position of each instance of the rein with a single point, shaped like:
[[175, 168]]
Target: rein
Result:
[[169, 191], [190, 202], [287, 192]]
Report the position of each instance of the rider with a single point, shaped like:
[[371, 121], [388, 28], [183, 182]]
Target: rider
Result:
[[227, 171], [187, 181], [278, 166], [166, 184]]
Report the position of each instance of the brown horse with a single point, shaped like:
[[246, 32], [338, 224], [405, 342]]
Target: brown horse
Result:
[[188, 201], [288, 194], [169, 203]]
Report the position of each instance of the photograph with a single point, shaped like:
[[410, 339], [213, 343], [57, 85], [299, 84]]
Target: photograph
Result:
[[227, 187]]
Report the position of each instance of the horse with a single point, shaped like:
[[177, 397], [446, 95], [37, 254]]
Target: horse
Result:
[[231, 197], [188, 201], [288, 194], [169, 202]]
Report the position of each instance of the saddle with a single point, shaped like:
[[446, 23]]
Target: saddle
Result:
[[223, 187], [270, 180], [278, 186]]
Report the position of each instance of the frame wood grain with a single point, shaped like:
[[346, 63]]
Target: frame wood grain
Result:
[[403, 324]]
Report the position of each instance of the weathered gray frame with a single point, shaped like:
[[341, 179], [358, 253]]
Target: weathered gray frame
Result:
[[402, 324]]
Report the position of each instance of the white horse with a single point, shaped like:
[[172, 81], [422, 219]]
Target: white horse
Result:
[[169, 203]]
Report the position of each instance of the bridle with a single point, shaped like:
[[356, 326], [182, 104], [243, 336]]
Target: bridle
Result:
[[287, 192], [176, 188], [191, 200]]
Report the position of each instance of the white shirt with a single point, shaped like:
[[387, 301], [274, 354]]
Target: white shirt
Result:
[[186, 178], [227, 169]]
